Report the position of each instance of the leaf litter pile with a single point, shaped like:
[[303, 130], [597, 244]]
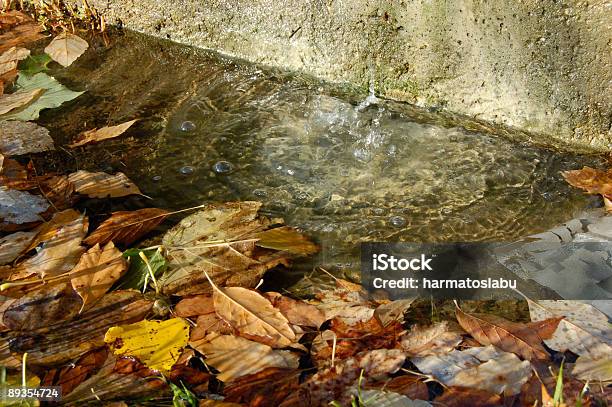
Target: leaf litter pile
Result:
[[182, 322]]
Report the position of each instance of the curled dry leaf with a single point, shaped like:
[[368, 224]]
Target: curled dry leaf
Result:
[[66, 48], [18, 138], [523, 339], [424, 341], [126, 227], [223, 352], [11, 57], [253, 316], [102, 185], [96, 272], [19, 100], [157, 344], [95, 135], [483, 368]]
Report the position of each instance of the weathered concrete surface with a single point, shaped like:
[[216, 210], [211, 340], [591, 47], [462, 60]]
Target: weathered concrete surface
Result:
[[539, 65]]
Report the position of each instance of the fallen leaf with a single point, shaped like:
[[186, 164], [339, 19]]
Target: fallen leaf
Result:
[[594, 370], [584, 330], [465, 396], [55, 94], [19, 100], [18, 138], [66, 48], [266, 388], [139, 270], [483, 368], [22, 30], [591, 180], [424, 341], [10, 59], [96, 272], [285, 238], [50, 229], [521, 339], [102, 185], [59, 191], [411, 386], [19, 208], [193, 306], [59, 254], [380, 398], [253, 316], [34, 64], [223, 351], [157, 344], [93, 136], [126, 227], [297, 312], [14, 176], [392, 311], [13, 245], [350, 306]]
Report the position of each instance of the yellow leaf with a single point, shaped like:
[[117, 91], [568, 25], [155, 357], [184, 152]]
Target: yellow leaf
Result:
[[92, 136], [157, 344]]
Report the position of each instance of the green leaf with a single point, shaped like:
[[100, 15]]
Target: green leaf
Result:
[[136, 274], [54, 96], [34, 64]]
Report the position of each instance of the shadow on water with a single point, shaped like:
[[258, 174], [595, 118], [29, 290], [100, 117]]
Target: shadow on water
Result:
[[217, 129]]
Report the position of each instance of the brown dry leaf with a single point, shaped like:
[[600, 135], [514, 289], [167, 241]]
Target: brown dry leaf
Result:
[[297, 312], [267, 388], [96, 272], [208, 322], [66, 48], [102, 185], [59, 191], [484, 368], [194, 306], [217, 242], [392, 311], [287, 239], [253, 316], [18, 138], [10, 58], [407, 385], [67, 340], [50, 229], [424, 341], [521, 339], [350, 306], [465, 396], [18, 100], [234, 357], [13, 245], [126, 227], [95, 135], [59, 254], [23, 30], [591, 180], [14, 176]]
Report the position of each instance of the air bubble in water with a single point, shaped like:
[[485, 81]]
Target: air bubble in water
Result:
[[156, 178], [397, 221], [188, 126], [260, 193], [187, 170], [223, 167]]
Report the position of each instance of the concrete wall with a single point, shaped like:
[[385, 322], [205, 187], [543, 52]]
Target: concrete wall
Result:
[[539, 65]]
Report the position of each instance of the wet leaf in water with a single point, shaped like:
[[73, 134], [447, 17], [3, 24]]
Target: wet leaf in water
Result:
[[253, 316], [18, 138], [59, 254], [392, 311], [13, 245], [350, 306], [34, 64], [54, 96], [66, 48], [18, 100], [484, 368], [138, 270], [22, 30], [286, 239], [96, 272], [424, 341], [380, 398], [518, 338], [584, 330], [157, 344], [103, 185], [408, 385], [11, 57], [223, 353], [93, 136], [266, 388], [65, 341], [19, 209], [593, 181], [594, 370], [126, 227], [465, 396], [297, 312]]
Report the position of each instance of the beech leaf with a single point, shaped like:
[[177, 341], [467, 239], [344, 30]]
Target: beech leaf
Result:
[[102, 185], [95, 135], [126, 227], [286, 239], [66, 48]]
